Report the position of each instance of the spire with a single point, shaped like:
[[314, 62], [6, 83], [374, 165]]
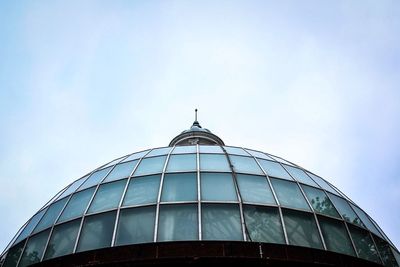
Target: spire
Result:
[[196, 123]]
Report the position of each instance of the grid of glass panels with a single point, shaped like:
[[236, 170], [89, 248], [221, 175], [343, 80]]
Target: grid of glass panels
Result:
[[199, 193]]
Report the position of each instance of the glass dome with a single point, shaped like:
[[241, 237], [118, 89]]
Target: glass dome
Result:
[[199, 192]]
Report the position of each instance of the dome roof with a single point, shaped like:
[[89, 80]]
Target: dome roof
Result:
[[199, 192]]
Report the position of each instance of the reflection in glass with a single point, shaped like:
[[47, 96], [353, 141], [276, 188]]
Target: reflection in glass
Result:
[[217, 186], [385, 252], [211, 149], [136, 225], [95, 178], [221, 222], [150, 166], [364, 244], [364, 218], [274, 169], [77, 204], [255, 189], [34, 249], [185, 162], [97, 231], [178, 222], [142, 190], [159, 151], [245, 165], [335, 236], [51, 215], [184, 150], [289, 194], [62, 239], [322, 183], [236, 151], [263, 224], [320, 201], [214, 162], [120, 171], [258, 154], [300, 176], [301, 229], [136, 155], [73, 187], [345, 210], [107, 196], [13, 255], [30, 226], [179, 187]]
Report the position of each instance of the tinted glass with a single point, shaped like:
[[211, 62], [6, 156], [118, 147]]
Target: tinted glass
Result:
[[95, 178], [62, 239], [322, 183], [236, 151], [178, 222], [142, 190], [107, 196], [364, 244], [210, 149], [335, 236], [185, 162], [385, 252], [184, 149], [214, 162], [13, 255], [136, 225], [344, 209], [274, 169], [245, 165], [97, 231], [217, 186], [150, 166], [263, 224], [320, 201], [289, 194], [30, 226], [34, 249], [258, 154], [120, 171], [159, 151], [300, 176], [73, 187], [301, 229], [179, 187], [77, 204], [221, 222], [51, 215], [136, 156], [280, 160], [364, 218], [255, 189]]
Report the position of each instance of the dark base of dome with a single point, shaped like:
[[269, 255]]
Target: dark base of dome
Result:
[[201, 253]]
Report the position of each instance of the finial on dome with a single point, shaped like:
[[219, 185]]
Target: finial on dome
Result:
[[195, 114], [196, 123]]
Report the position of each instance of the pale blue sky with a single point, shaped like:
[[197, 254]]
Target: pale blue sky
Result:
[[84, 82]]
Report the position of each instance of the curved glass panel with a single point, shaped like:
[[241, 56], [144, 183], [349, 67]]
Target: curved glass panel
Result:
[[364, 218], [179, 163], [364, 244], [320, 201], [121, 171], [258, 154], [150, 166], [184, 150], [73, 187], [322, 183], [51, 215], [95, 178], [236, 151], [136, 225], [13, 255], [300, 176], [245, 165], [31, 225], [142, 190], [214, 162], [385, 252], [178, 222], [211, 149], [274, 169], [255, 189], [136, 155], [77, 204], [179, 187], [159, 151], [217, 187], [34, 249], [107, 196], [345, 210], [263, 224], [289, 194]]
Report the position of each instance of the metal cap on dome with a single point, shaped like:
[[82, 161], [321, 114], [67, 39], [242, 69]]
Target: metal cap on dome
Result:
[[196, 135]]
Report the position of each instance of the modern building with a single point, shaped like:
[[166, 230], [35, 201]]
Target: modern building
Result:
[[195, 202]]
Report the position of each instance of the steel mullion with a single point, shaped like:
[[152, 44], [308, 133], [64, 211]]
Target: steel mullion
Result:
[[198, 193], [376, 247], [22, 251]]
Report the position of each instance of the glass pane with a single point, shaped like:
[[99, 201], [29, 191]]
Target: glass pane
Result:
[[34, 249], [113, 162], [396, 255], [217, 186], [73, 187], [159, 151], [274, 169], [186, 162], [335, 236], [178, 222], [300, 176], [236, 151], [245, 165], [142, 190], [77, 205], [136, 225], [97, 231], [13, 255], [179, 187], [301, 229], [278, 159], [263, 224], [289, 194], [385, 252], [258, 154], [136, 156], [51, 215], [364, 218], [320, 201], [150, 166], [32, 223], [211, 149], [364, 244], [184, 149], [255, 189], [322, 183], [95, 178], [345, 210], [214, 162], [62, 239], [108, 196], [122, 170], [221, 222]]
